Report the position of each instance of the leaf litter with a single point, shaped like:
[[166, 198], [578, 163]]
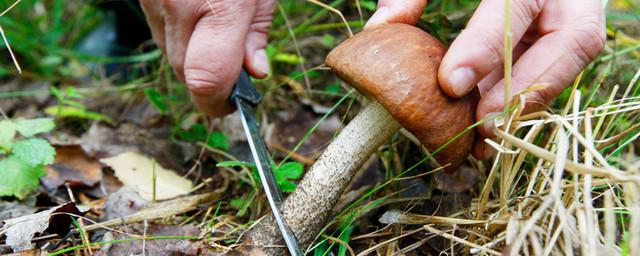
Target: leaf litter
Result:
[[20, 230], [72, 166]]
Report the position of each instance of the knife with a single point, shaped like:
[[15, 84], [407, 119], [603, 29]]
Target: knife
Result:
[[246, 98]]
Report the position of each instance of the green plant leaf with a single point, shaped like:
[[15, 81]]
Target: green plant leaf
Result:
[[19, 179], [369, 5], [236, 164], [75, 112], [30, 127], [238, 203], [334, 88], [33, 152], [197, 132], [157, 99], [218, 140], [287, 172], [241, 204], [7, 133], [284, 173], [288, 58]]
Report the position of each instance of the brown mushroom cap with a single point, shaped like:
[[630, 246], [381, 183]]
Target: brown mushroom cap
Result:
[[397, 65]]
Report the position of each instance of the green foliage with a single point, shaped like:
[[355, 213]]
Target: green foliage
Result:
[[74, 112], [198, 132], [284, 174], [158, 99], [31, 127], [41, 35], [33, 151], [7, 132], [237, 203], [19, 179], [368, 5], [24, 157], [287, 172], [625, 245], [69, 107]]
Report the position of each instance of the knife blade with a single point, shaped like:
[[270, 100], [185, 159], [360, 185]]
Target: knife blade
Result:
[[246, 98]]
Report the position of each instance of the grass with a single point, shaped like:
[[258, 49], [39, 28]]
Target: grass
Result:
[[565, 180]]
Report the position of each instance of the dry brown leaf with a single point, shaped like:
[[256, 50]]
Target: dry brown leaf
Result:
[[136, 171], [72, 165], [19, 231]]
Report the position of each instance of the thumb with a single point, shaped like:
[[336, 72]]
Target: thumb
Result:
[[479, 49], [394, 11], [255, 58], [215, 55]]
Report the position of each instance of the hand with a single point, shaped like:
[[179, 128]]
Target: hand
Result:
[[207, 43], [553, 41]]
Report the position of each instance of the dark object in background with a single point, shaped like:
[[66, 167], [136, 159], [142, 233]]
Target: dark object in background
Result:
[[122, 31]]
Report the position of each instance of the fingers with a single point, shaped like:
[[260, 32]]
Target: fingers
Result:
[[495, 76], [215, 54], [153, 11], [479, 49], [572, 34], [180, 18], [255, 60], [394, 11]]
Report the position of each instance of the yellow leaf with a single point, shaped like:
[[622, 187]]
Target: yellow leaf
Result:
[[136, 171]]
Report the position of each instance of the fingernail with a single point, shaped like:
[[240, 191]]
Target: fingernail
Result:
[[380, 16], [261, 61], [462, 80]]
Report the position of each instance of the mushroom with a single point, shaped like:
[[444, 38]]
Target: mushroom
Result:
[[395, 66]]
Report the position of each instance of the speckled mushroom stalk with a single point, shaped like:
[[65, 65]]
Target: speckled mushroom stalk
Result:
[[396, 67]]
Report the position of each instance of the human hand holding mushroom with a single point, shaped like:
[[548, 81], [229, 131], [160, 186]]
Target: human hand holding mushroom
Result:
[[553, 41], [395, 66]]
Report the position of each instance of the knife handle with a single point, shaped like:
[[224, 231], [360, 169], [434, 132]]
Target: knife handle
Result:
[[245, 90]]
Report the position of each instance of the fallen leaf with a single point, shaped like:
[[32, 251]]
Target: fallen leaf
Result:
[[72, 165], [108, 185], [9, 210], [19, 231], [105, 141], [136, 171], [122, 203]]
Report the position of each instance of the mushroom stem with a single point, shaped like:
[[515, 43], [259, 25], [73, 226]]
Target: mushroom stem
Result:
[[308, 207]]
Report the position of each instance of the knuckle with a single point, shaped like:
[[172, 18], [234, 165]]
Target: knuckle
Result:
[[197, 8], [492, 41], [528, 8], [588, 39], [207, 80], [545, 95]]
